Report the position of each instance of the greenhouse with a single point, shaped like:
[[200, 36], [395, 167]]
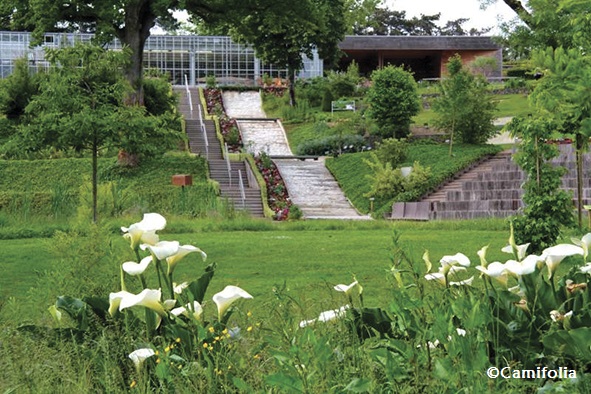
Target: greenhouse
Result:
[[191, 57]]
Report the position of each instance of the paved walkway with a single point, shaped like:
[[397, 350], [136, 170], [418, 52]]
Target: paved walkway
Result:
[[311, 186]]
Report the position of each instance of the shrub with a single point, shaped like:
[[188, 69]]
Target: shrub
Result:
[[393, 100], [393, 151], [332, 145], [327, 99]]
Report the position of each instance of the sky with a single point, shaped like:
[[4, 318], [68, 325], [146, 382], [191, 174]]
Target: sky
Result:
[[455, 9]]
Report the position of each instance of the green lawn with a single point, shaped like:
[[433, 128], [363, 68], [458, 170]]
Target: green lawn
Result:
[[309, 260]]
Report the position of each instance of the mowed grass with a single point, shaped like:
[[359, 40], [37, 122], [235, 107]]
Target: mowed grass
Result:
[[309, 261]]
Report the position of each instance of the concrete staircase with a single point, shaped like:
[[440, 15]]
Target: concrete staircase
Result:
[[218, 169], [493, 188]]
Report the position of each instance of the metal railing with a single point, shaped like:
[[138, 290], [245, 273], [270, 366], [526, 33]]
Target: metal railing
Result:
[[241, 184], [189, 95], [203, 131], [227, 157]]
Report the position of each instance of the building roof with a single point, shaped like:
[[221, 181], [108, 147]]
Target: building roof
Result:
[[352, 43]]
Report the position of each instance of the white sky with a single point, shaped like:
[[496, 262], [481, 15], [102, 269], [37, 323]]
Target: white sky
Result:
[[455, 9]]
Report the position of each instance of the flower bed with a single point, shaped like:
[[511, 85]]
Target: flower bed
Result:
[[277, 195], [228, 126]]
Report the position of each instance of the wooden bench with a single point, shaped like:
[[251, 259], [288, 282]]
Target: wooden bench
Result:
[[411, 211]]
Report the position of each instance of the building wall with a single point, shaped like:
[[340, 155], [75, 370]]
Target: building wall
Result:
[[469, 56]]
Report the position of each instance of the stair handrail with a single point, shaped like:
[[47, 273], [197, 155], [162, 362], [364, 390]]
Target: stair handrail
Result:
[[203, 131], [241, 184], [189, 95], [227, 157]]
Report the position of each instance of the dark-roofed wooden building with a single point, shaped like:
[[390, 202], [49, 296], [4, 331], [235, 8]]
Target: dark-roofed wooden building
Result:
[[426, 56]]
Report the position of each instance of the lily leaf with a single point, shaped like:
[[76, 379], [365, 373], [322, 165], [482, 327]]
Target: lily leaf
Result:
[[99, 305], [199, 287], [75, 308]]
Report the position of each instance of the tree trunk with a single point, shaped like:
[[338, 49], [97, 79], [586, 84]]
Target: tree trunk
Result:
[[94, 178], [579, 157], [520, 10], [139, 19]]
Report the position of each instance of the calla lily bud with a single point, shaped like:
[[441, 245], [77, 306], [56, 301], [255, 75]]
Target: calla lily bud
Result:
[[226, 297], [139, 356]]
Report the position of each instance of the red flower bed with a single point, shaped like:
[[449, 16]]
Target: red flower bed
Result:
[[228, 126], [277, 195]]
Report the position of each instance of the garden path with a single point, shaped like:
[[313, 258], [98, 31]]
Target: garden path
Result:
[[311, 186]]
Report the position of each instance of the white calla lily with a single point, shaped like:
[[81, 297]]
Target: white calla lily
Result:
[[482, 255], [518, 251], [458, 258], [132, 268], [145, 230], [115, 300], [346, 288], [495, 270], [586, 269], [196, 311], [147, 298], [162, 249], [333, 314], [139, 356], [554, 255], [182, 252], [436, 276], [584, 243], [178, 289], [226, 297], [465, 282], [524, 267]]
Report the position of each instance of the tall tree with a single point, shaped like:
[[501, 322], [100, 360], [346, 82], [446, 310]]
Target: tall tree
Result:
[[280, 34], [564, 93], [80, 106], [128, 20]]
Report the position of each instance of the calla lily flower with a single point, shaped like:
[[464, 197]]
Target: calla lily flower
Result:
[[441, 275], [465, 282], [168, 304], [333, 314], [495, 270], [555, 254], [458, 258], [55, 313], [162, 249], [178, 289], [182, 252], [196, 311], [132, 268], [226, 297], [584, 243], [144, 231], [586, 269], [139, 356], [115, 301], [518, 251], [148, 298], [524, 267], [482, 255], [346, 288]]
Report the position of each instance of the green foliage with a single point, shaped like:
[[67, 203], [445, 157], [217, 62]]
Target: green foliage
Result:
[[351, 170], [464, 108], [387, 182], [484, 65], [393, 100], [17, 89], [392, 151], [332, 145], [327, 99], [211, 82], [159, 98], [547, 207]]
